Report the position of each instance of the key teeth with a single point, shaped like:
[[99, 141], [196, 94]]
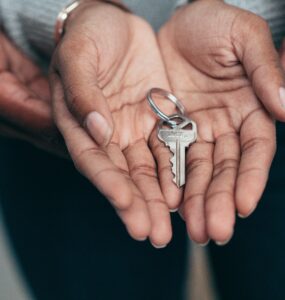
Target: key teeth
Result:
[[172, 160], [173, 172], [175, 181], [172, 150]]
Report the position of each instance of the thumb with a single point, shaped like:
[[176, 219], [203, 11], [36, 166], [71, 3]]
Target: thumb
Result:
[[261, 61], [282, 54], [85, 99]]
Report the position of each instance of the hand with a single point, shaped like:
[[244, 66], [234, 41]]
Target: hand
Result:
[[102, 69], [221, 61], [25, 110], [282, 54]]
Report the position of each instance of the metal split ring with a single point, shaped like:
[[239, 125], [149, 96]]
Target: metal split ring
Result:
[[168, 96]]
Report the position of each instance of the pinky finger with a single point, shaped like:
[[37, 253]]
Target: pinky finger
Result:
[[258, 147], [199, 175]]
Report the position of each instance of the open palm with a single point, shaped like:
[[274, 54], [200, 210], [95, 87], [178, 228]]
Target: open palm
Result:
[[222, 63], [104, 65], [25, 108]]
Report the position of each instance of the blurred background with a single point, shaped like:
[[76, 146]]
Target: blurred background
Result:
[[13, 287]]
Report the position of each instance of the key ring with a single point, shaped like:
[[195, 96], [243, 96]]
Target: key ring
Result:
[[169, 97]]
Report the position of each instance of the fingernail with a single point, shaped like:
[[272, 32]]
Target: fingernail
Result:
[[173, 210], [142, 239], [204, 244], [282, 96], [158, 246], [98, 128], [223, 243], [250, 212], [181, 215]]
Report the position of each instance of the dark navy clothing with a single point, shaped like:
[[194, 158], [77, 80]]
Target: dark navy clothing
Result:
[[69, 241], [252, 266], [71, 245]]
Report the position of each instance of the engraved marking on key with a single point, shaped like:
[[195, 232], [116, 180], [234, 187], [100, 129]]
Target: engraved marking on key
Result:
[[178, 139]]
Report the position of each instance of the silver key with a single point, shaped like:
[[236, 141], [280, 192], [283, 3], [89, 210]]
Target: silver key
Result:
[[178, 139]]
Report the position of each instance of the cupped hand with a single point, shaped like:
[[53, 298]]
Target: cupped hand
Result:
[[222, 63], [102, 69], [25, 108]]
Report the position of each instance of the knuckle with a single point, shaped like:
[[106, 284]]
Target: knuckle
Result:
[[224, 166], [158, 201], [192, 199], [92, 151], [258, 143], [220, 195], [139, 170], [81, 156], [198, 164]]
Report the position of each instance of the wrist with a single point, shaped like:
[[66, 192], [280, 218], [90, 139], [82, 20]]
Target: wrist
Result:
[[76, 7]]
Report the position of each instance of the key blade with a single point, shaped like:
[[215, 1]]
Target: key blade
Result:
[[173, 148], [177, 139], [177, 145], [182, 162], [178, 163]]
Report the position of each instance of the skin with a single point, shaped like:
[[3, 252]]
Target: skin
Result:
[[225, 89], [25, 110], [230, 88], [106, 62], [282, 55]]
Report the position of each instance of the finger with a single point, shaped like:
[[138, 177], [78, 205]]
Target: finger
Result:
[[258, 145], [282, 55], [91, 160], [137, 216], [82, 93], [255, 49], [199, 175], [143, 172], [94, 163], [220, 204], [162, 155]]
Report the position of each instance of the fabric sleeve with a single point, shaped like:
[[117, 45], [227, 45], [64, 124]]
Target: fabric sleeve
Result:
[[272, 11], [30, 24]]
